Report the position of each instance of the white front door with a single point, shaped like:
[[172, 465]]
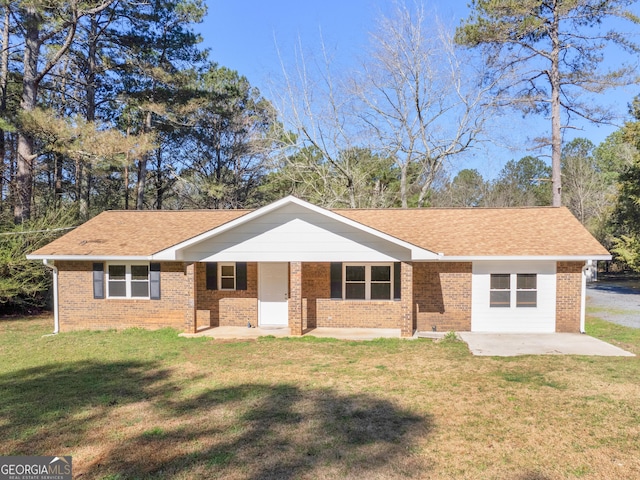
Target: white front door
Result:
[[273, 294]]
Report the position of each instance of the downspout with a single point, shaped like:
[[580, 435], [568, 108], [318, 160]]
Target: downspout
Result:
[[56, 319], [583, 296]]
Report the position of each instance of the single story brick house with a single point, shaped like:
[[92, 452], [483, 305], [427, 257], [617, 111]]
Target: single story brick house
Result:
[[295, 264]]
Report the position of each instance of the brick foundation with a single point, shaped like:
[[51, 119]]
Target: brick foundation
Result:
[[442, 296], [568, 295]]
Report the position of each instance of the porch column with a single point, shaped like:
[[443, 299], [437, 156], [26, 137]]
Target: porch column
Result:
[[406, 299], [295, 298], [191, 294]]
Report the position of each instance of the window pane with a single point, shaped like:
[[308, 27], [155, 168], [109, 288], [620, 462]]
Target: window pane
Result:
[[139, 289], [380, 291], [500, 281], [527, 281], [500, 298], [117, 288], [226, 271], [381, 273], [355, 274], [526, 298], [355, 291], [139, 272], [227, 283], [117, 272]]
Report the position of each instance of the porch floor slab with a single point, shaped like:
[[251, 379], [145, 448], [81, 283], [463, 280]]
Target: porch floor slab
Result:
[[320, 332], [513, 344]]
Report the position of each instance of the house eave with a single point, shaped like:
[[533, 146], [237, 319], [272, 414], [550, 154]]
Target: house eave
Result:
[[508, 258], [104, 258]]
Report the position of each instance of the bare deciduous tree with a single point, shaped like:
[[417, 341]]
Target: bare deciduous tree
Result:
[[424, 102]]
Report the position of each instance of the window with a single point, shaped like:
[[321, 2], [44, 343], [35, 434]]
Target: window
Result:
[[500, 295], [128, 281], [227, 276], [117, 281], [368, 282], [526, 290], [140, 281]]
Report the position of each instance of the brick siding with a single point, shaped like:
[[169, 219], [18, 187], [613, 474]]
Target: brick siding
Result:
[[323, 311], [78, 309], [442, 296], [296, 320], [568, 296], [227, 307]]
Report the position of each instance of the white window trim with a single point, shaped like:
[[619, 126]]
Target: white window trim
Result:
[[127, 276], [235, 276], [367, 281], [513, 289], [526, 290]]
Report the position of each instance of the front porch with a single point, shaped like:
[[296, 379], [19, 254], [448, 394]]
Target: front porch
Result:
[[301, 298], [240, 333]]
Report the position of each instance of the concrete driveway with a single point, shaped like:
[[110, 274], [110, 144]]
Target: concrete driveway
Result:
[[513, 344]]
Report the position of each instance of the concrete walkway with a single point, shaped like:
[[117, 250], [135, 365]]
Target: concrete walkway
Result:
[[513, 344], [321, 332]]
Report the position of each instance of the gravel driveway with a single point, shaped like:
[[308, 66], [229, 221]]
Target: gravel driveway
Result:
[[615, 301]]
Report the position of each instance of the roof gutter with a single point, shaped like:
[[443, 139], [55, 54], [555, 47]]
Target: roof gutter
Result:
[[555, 258], [85, 258], [56, 318]]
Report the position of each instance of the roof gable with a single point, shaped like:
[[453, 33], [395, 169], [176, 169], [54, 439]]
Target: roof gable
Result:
[[294, 230]]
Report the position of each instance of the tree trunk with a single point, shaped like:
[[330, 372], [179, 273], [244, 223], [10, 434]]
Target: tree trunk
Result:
[[4, 70], [403, 185], [159, 180], [556, 128], [58, 179], [90, 115], [142, 168], [126, 186], [24, 174]]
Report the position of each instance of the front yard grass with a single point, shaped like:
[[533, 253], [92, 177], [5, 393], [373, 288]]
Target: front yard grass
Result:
[[138, 404]]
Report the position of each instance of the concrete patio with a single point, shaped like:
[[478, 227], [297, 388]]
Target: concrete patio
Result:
[[321, 332], [513, 344]]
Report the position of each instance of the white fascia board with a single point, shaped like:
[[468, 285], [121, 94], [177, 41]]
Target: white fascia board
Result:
[[555, 258], [171, 253], [123, 258]]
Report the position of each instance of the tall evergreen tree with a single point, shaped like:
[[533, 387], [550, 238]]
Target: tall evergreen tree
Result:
[[555, 49]]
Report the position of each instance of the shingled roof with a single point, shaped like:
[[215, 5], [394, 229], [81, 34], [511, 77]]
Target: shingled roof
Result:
[[455, 232]]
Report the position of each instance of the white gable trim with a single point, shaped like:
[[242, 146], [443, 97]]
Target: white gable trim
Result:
[[173, 253]]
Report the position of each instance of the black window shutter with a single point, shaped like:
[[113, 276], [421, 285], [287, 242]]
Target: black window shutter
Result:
[[154, 281], [241, 276], [212, 276], [336, 280], [98, 280], [397, 280]]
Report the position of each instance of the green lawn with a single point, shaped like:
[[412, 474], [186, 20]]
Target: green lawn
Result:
[[138, 404]]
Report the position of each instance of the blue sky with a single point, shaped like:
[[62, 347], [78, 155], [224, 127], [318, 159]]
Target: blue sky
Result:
[[242, 35]]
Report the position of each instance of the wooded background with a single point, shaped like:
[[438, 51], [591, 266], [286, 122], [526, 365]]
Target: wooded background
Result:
[[115, 105]]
